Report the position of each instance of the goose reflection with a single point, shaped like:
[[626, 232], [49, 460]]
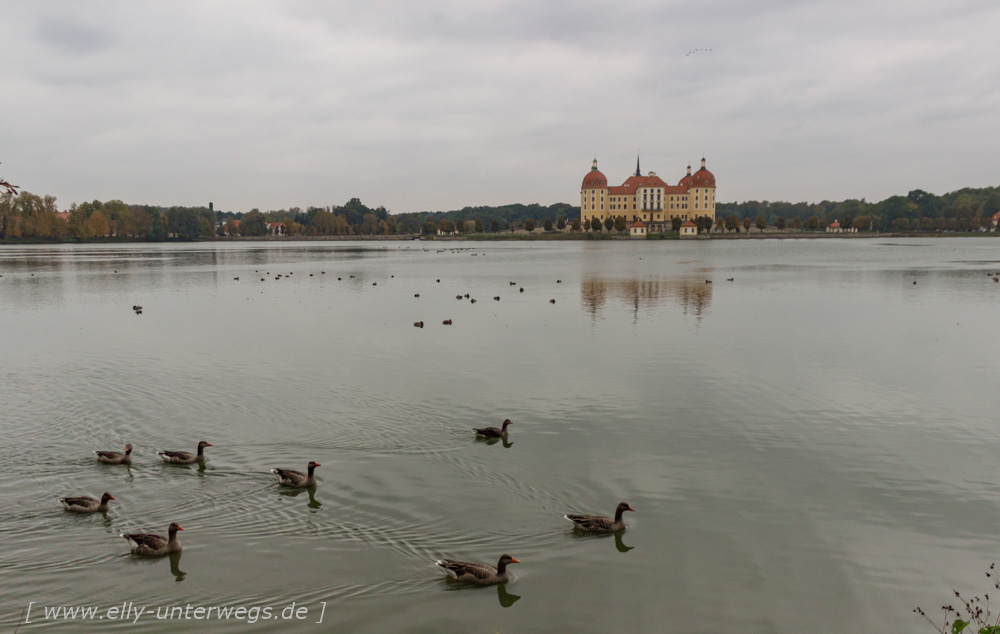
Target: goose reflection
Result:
[[311, 491], [506, 599], [175, 567], [620, 544], [493, 441]]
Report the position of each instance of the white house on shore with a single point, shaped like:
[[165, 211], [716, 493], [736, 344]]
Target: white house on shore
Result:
[[638, 230]]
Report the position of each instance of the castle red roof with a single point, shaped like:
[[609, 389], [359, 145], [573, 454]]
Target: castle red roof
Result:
[[702, 178], [595, 180]]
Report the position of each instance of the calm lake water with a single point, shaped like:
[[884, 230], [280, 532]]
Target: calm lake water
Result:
[[810, 447]]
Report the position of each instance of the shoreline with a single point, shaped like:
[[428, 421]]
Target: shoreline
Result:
[[523, 235]]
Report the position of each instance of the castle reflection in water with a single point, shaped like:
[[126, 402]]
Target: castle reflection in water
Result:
[[692, 295]]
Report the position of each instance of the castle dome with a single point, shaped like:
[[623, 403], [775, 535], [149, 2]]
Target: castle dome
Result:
[[595, 179], [703, 177], [686, 181]]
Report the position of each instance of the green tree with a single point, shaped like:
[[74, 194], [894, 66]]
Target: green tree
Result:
[[812, 223], [252, 223], [529, 225], [620, 225], [561, 223], [760, 223], [609, 223], [781, 223], [479, 225], [184, 223], [675, 223], [547, 224], [732, 223], [445, 226], [575, 225], [586, 224]]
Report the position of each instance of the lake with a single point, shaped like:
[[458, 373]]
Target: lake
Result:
[[807, 429]]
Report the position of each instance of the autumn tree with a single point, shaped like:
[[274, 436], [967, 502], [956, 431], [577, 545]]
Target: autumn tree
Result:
[[529, 225], [98, 224], [760, 223]]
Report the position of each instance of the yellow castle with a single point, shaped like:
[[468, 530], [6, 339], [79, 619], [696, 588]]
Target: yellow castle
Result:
[[648, 198]]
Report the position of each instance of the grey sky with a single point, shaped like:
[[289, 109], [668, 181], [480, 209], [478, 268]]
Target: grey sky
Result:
[[438, 105]]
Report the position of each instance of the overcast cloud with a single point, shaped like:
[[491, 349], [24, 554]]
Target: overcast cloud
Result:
[[436, 105]]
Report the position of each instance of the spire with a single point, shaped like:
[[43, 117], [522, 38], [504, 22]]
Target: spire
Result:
[[637, 172], [703, 162]]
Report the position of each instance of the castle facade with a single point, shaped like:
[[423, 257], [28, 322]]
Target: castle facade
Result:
[[648, 198]]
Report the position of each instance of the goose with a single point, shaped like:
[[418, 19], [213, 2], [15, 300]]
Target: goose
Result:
[[84, 504], [184, 457], [599, 523], [297, 479], [155, 545], [493, 432], [116, 457], [477, 573]]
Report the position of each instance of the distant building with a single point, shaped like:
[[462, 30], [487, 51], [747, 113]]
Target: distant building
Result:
[[689, 229], [836, 228], [648, 198]]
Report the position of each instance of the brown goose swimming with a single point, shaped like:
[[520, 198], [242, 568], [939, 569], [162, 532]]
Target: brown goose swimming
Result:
[[477, 573], [84, 504], [599, 523], [297, 479], [155, 545], [493, 432], [116, 457], [184, 457]]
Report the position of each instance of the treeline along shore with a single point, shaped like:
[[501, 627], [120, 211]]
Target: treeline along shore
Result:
[[27, 217]]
